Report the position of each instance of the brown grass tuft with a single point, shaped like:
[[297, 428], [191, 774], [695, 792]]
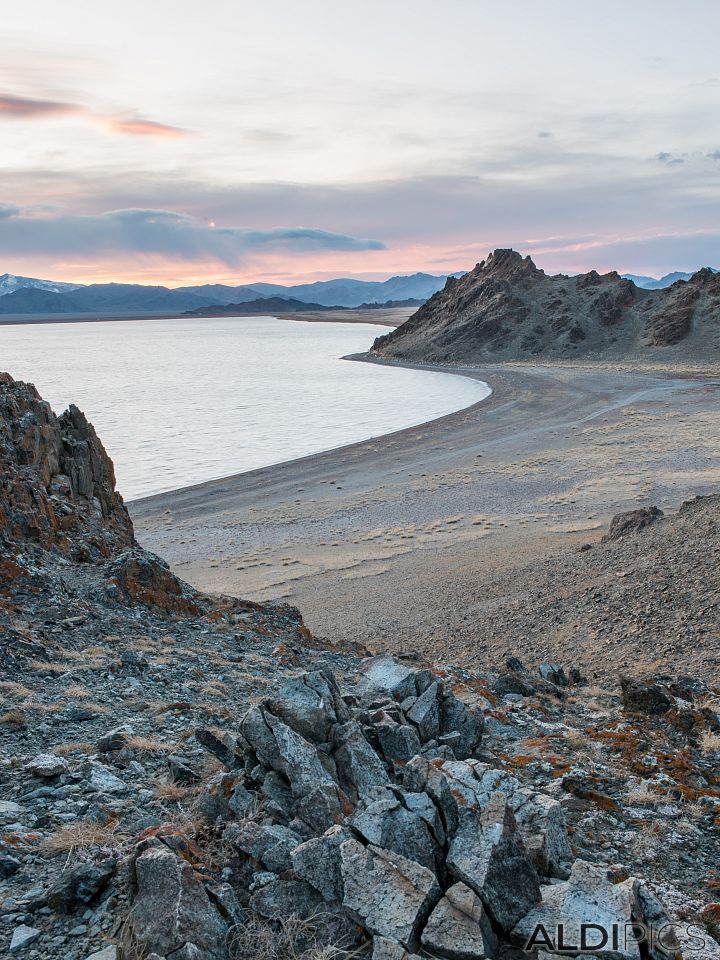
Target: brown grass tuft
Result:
[[149, 745], [80, 836]]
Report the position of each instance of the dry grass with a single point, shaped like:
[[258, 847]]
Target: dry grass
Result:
[[214, 688], [149, 745], [12, 688], [176, 792], [44, 666], [74, 746], [288, 938], [37, 707], [13, 718], [76, 691], [710, 742], [641, 793], [98, 709], [81, 836]]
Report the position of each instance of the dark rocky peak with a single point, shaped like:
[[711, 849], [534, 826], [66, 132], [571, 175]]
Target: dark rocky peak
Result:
[[57, 483], [707, 277], [509, 264]]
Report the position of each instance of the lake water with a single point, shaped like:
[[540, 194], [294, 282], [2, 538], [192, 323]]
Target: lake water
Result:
[[176, 402]]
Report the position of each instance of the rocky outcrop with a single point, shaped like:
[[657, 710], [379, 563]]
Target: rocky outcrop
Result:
[[632, 521], [57, 483], [506, 309], [441, 854]]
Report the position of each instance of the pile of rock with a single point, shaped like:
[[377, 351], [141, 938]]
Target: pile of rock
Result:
[[57, 483], [374, 808]]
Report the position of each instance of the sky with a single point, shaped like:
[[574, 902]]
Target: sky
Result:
[[173, 141]]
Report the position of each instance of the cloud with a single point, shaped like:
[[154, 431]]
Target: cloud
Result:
[[25, 108], [137, 127], [670, 159], [158, 232]]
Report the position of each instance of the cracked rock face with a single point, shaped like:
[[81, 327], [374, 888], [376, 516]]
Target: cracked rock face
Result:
[[392, 896], [172, 914]]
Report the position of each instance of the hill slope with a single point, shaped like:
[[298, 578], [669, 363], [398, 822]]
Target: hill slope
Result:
[[507, 309]]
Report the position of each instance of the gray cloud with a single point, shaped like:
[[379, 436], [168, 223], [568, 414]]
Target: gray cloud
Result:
[[25, 108], [670, 159], [141, 231]]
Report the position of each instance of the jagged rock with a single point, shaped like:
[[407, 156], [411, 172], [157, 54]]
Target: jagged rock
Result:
[[553, 673], [79, 885], [102, 780], [57, 483], [384, 673], [22, 937], [359, 767], [107, 953], [459, 928], [464, 720], [286, 898], [388, 824], [138, 576], [458, 785], [222, 745], [514, 681], [632, 521], [9, 865], [269, 844], [488, 855], [181, 771], [425, 713], [171, 909], [505, 308], [391, 895], [115, 739], [318, 862], [227, 903], [384, 949], [279, 747], [311, 704], [644, 696], [398, 741], [587, 897], [214, 803], [46, 766], [321, 808]]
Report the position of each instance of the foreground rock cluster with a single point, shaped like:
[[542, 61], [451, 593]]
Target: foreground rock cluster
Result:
[[198, 778]]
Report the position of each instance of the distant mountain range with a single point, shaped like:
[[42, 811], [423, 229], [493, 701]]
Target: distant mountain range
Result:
[[508, 309], [651, 283], [27, 295]]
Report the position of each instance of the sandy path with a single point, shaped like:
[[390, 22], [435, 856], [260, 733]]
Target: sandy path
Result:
[[411, 539]]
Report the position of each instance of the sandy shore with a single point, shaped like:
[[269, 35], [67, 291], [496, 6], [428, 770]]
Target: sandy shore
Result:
[[425, 538]]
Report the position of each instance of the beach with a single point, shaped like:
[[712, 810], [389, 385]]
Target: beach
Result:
[[429, 539]]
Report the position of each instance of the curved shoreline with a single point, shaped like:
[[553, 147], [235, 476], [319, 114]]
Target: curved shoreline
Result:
[[418, 539], [357, 357]]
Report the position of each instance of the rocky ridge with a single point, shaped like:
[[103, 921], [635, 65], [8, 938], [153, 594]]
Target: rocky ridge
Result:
[[185, 776], [507, 309]]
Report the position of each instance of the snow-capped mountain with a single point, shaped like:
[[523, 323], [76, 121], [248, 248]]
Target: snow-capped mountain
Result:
[[9, 283]]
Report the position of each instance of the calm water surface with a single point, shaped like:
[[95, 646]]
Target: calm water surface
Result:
[[180, 401]]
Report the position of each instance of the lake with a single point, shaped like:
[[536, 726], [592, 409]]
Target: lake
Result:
[[177, 402]]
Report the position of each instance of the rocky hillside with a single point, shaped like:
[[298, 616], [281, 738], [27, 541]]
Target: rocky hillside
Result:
[[196, 778], [507, 309]]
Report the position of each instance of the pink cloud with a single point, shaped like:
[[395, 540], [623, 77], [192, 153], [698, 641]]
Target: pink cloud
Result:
[[26, 108], [137, 127]]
